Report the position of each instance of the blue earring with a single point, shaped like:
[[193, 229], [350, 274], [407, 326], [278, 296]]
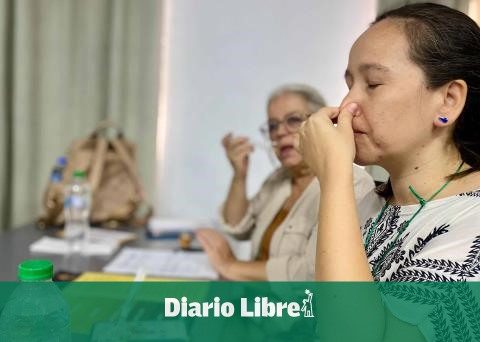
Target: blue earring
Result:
[[443, 119]]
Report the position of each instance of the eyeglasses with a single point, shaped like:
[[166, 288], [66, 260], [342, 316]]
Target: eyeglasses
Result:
[[292, 123]]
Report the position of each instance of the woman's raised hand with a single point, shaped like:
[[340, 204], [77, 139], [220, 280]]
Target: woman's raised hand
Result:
[[324, 147], [238, 150]]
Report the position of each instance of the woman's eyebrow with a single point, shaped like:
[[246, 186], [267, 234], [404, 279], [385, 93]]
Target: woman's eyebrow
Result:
[[367, 67], [373, 66]]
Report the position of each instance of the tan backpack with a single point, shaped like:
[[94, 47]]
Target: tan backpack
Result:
[[117, 194]]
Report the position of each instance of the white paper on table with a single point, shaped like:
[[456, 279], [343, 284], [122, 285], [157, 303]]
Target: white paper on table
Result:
[[109, 236], [162, 263], [52, 245], [158, 225]]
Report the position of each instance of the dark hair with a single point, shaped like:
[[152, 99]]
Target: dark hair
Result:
[[445, 44]]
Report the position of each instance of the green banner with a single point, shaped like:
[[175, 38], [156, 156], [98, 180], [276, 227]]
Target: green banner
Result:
[[243, 311]]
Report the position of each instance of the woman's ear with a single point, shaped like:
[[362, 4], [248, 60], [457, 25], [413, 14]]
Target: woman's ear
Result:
[[454, 97]]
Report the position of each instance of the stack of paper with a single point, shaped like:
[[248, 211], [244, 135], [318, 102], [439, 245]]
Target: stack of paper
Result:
[[100, 242], [162, 263], [109, 236], [51, 245]]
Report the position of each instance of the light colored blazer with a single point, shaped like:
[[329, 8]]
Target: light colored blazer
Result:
[[293, 245]]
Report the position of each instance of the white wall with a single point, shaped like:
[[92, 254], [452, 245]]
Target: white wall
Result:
[[221, 58]]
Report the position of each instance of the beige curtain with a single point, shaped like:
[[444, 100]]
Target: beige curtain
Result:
[[64, 66]]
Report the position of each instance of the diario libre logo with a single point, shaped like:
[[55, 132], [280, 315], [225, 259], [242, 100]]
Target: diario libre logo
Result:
[[259, 307]]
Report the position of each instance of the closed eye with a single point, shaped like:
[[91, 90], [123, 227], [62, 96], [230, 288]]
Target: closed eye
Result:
[[373, 85]]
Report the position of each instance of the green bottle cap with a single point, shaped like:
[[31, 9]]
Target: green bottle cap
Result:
[[79, 174], [35, 270]]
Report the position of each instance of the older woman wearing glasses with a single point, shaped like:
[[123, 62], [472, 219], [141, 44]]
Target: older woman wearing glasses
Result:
[[281, 219]]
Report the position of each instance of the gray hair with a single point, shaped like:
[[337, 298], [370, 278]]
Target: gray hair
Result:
[[314, 100]]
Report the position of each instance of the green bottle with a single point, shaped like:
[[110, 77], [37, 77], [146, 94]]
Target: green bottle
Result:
[[36, 310]]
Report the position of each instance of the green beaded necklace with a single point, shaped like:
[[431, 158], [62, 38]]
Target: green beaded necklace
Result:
[[403, 227]]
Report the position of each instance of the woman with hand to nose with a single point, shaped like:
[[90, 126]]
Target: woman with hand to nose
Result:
[[414, 112], [281, 218], [330, 152], [413, 108]]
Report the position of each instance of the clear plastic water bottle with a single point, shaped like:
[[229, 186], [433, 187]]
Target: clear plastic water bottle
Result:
[[36, 310], [77, 211]]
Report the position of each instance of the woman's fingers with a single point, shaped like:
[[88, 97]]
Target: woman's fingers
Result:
[[329, 112], [238, 141], [320, 142], [237, 156], [202, 242], [316, 123], [239, 147], [209, 236], [345, 117], [226, 139], [229, 141], [203, 239], [328, 115], [242, 149], [237, 150]]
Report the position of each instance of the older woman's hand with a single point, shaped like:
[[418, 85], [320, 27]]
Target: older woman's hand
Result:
[[218, 250], [324, 147], [238, 150]]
